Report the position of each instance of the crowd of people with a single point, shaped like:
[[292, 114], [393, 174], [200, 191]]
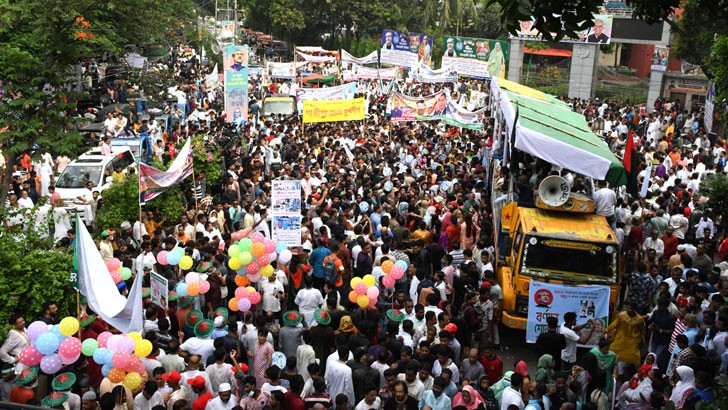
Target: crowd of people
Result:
[[418, 192]]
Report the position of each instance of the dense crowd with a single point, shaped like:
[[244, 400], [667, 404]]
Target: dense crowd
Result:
[[375, 192]]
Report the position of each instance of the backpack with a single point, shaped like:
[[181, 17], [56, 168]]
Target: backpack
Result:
[[330, 275]]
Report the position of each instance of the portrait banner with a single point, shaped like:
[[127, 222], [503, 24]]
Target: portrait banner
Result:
[[286, 211], [283, 70], [476, 57], [235, 61], [589, 302], [600, 31], [433, 107], [341, 92], [405, 50], [358, 72], [659, 58], [333, 111], [159, 290]]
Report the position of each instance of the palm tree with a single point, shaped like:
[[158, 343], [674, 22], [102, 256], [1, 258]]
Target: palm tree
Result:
[[446, 13]]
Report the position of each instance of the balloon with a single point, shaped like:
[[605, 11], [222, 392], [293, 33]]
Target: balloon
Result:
[[51, 364], [103, 338], [68, 326], [116, 375], [258, 237], [116, 277], [252, 269], [401, 264], [120, 359], [113, 343], [255, 277], [47, 343], [373, 292], [136, 366], [241, 293], [193, 289], [30, 356], [362, 300], [233, 304], [388, 281], [105, 369], [285, 256], [162, 258], [204, 287], [269, 245], [70, 347], [266, 271], [280, 247], [387, 266], [241, 280], [254, 297], [272, 256], [245, 257], [244, 305], [113, 264], [132, 380], [263, 260], [89, 346], [234, 263], [181, 289], [36, 329], [135, 336], [353, 296], [186, 262], [246, 244], [143, 348], [102, 356], [361, 288], [69, 360], [191, 277], [234, 251], [373, 302], [126, 344], [173, 258], [125, 274], [369, 280], [250, 289], [397, 272], [258, 249]]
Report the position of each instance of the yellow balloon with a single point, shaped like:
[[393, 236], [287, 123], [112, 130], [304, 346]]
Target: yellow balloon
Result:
[[185, 263], [234, 263], [135, 336], [266, 271], [68, 326], [369, 280], [354, 281], [362, 300], [250, 289], [143, 348], [132, 380]]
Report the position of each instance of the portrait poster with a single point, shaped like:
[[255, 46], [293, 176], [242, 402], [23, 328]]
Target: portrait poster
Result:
[[286, 211], [599, 32], [660, 57], [159, 290], [476, 57], [589, 302], [235, 59], [405, 50]]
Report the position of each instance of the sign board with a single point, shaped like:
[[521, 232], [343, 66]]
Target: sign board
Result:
[[286, 211]]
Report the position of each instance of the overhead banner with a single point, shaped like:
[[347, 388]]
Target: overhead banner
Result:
[[548, 299], [600, 31], [153, 182], [236, 83], [405, 50], [358, 72], [159, 290], [316, 59], [286, 211], [372, 58], [476, 57], [659, 58], [333, 111], [283, 70], [433, 107], [340, 92], [425, 74]]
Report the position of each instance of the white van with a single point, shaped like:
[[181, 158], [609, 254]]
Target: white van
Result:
[[90, 166]]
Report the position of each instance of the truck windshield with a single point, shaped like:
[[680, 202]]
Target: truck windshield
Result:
[[285, 107], [563, 257]]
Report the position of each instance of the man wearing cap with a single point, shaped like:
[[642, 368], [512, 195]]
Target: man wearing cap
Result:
[[55, 400], [173, 379], [149, 397], [24, 389], [199, 390], [225, 399], [106, 246], [290, 335], [62, 384], [200, 344], [7, 382], [127, 236], [88, 401]]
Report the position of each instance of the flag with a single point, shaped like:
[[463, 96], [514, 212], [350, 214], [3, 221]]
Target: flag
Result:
[[94, 282], [631, 163], [627, 160], [153, 182], [514, 153], [212, 80]]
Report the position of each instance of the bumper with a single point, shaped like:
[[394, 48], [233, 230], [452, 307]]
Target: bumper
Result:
[[514, 322]]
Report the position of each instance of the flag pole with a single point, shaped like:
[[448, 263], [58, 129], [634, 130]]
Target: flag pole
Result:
[[78, 311]]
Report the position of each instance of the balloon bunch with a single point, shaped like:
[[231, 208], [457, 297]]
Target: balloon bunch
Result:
[[192, 286], [394, 272], [175, 257], [365, 292], [252, 256], [119, 356], [52, 346], [245, 298], [118, 273]]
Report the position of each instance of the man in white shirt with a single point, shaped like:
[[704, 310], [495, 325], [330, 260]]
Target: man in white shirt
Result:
[[308, 300], [680, 223], [569, 329], [148, 398], [272, 292], [220, 373], [512, 393], [654, 242], [225, 399], [338, 375], [200, 344]]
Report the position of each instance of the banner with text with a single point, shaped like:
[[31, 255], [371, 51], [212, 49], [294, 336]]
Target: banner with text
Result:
[[283, 70], [433, 107], [286, 211], [425, 74], [476, 57], [600, 31], [549, 299], [405, 50], [159, 290], [371, 58], [340, 92], [358, 72], [659, 58], [333, 111], [153, 182], [236, 83]]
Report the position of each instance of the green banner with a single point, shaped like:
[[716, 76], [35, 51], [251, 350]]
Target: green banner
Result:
[[476, 57]]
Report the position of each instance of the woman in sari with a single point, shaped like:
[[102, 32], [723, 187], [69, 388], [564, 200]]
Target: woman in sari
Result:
[[607, 361], [496, 62]]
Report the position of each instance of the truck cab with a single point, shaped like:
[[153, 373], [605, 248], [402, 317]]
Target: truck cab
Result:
[[278, 104]]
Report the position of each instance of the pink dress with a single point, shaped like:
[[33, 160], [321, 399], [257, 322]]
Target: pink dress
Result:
[[260, 358]]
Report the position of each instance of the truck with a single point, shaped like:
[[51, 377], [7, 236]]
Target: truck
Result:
[[278, 104]]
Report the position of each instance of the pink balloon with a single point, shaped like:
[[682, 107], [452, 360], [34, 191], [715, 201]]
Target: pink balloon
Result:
[[192, 277], [70, 360], [361, 288], [120, 359], [397, 272], [113, 264], [244, 305], [255, 277], [241, 293], [263, 260], [113, 342], [258, 237], [133, 364], [70, 347], [272, 256], [270, 246], [116, 276], [30, 356], [103, 339], [373, 292], [204, 287], [254, 297], [252, 269], [372, 302], [162, 258], [126, 344], [388, 281]]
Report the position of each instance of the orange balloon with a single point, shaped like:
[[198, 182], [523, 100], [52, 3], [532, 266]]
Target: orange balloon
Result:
[[233, 304], [241, 280], [193, 289], [387, 266], [352, 296], [116, 375]]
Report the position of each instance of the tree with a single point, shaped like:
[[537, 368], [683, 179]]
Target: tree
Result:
[[716, 189]]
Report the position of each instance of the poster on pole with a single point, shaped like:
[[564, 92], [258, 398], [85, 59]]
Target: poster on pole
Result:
[[589, 302], [286, 211], [405, 50], [236, 83], [476, 57], [159, 289], [659, 58]]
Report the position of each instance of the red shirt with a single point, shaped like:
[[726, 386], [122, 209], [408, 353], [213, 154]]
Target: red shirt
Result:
[[493, 368], [292, 401], [201, 401], [21, 395]]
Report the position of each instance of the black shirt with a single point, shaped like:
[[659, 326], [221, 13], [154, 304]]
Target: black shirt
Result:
[[410, 404], [551, 343]]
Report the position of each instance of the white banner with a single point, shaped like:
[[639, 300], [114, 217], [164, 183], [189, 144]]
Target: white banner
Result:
[[358, 72], [286, 211], [368, 59], [398, 58], [340, 92], [283, 70], [425, 74], [469, 67], [316, 59], [589, 302]]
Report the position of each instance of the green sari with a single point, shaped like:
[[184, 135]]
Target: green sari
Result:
[[606, 362]]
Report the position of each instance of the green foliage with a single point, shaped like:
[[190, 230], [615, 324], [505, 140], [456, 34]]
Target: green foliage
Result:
[[719, 67], [716, 189], [207, 160], [33, 272], [119, 204]]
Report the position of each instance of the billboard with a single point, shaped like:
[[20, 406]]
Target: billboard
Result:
[[476, 57], [435, 107], [405, 50], [235, 63], [600, 31]]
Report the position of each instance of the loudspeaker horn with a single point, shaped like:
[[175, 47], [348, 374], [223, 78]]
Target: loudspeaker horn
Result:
[[554, 190]]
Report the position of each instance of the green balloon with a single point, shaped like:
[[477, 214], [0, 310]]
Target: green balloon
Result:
[[245, 258], [89, 346], [125, 274], [246, 244]]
